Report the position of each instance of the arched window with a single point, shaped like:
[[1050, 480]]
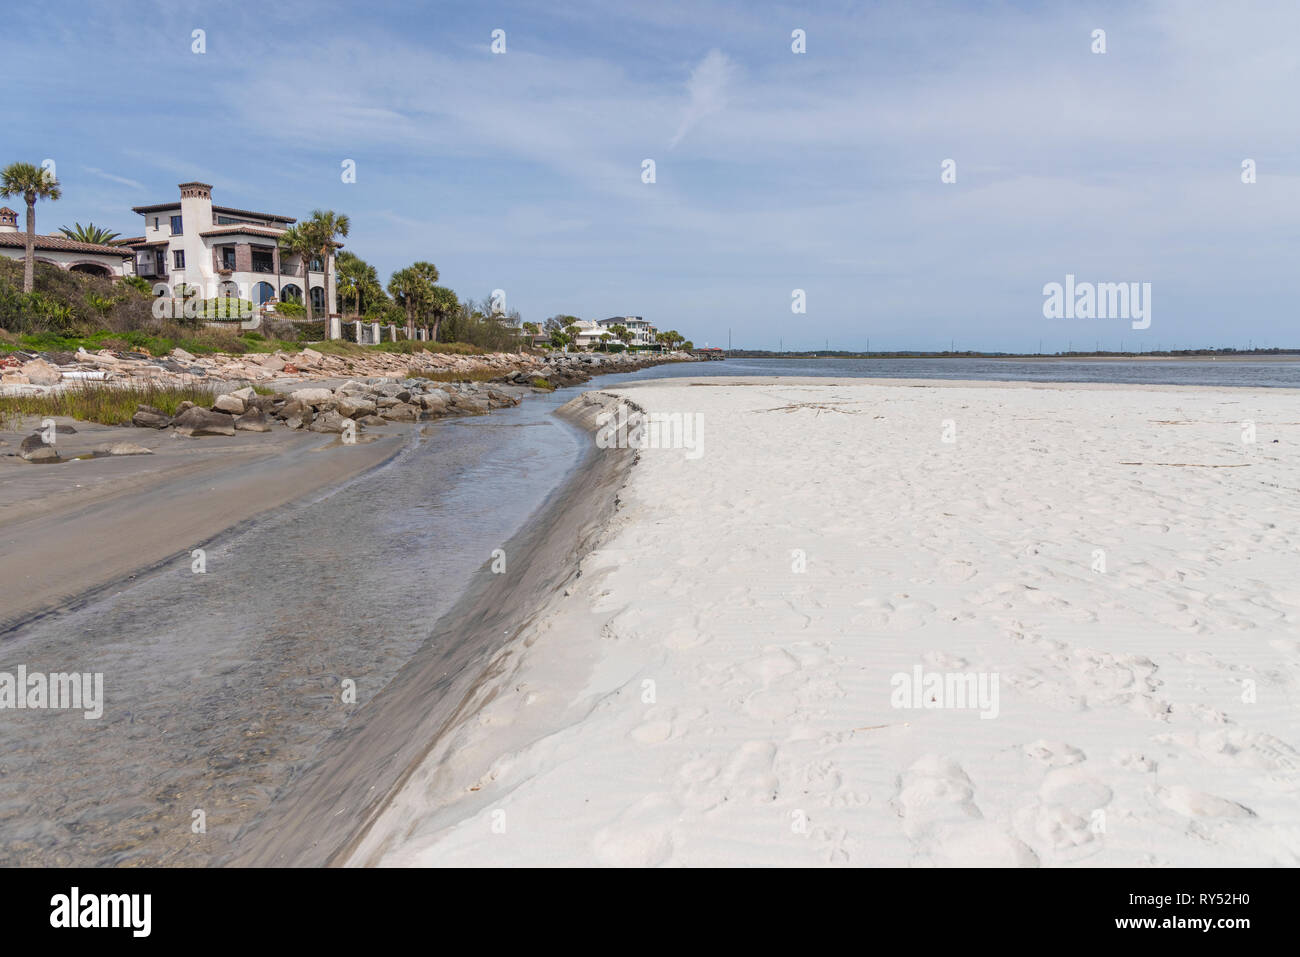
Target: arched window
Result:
[[318, 298], [291, 293], [262, 292]]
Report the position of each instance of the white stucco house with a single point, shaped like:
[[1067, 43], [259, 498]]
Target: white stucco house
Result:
[[643, 334], [59, 250], [226, 252]]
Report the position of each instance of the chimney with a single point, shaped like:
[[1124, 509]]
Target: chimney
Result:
[[8, 220]]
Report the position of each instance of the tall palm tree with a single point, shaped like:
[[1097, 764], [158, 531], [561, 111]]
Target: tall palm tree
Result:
[[298, 241], [325, 224], [89, 234], [33, 182], [404, 286]]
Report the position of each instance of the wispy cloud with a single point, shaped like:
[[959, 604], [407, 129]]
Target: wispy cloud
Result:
[[114, 178], [708, 89]]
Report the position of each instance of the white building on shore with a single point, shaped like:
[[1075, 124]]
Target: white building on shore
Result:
[[225, 251], [643, 334], [59, 250]]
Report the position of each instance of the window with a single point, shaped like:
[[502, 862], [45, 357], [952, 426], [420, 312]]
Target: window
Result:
[[228, 257], [155, 222], [178, 258], [176, 225], [317, 265]]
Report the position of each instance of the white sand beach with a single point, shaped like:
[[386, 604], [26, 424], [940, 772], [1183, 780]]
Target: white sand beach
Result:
[[717, 686]]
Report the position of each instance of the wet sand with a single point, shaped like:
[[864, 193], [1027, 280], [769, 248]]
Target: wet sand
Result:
[[71, 529]]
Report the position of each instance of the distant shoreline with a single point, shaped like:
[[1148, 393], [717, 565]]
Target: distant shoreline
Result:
[[1290, 356]]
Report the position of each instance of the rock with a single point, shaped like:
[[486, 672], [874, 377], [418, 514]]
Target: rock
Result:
[[245, 394], [254, 420], [124, 448], [40, 372], [329, 421], [313, 397], [294, 422], [147, 417], [185, 406], [470, 404], [309, 357], [403, 412], [44, 454], [387, 401], [370, 421], [435, 401], [293, 409], [273, 364], [179, 353], [353, 406], [14, 378], [229, 403], [198, 421]]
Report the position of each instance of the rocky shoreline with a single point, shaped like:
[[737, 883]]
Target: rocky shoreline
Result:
[[295, 389]]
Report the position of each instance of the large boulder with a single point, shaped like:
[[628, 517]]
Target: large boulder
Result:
[[182, 355], [329, 421], [435, 400], [313, 397], [147, 417], [470, 404], [402, 412], [229, 403], [254, 420], [354, 406], [40, 372], [199, 421]]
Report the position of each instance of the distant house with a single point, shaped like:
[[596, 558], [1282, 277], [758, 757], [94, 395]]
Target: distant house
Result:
[[225, 251], [59, 250], [643, 334]]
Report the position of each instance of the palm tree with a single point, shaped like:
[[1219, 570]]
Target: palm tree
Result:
[[443, 304], [298, 241], [324, 225], [33, 182], [411, 291], [89, 234]]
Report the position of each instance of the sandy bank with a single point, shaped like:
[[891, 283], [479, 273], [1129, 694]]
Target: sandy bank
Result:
[[79, 525], [721, 685]]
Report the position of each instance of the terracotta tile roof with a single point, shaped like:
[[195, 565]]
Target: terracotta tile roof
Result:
[[62, 243], [6, 209], [133, 241]]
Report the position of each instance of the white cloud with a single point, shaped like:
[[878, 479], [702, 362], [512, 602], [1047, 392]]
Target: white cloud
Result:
[[709, 89]]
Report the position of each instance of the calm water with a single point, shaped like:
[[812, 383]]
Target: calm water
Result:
[[1219, 372]]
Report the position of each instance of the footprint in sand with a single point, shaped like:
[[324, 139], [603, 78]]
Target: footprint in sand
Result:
[[1054, 754], [935, 802], [642, 836], [1193, 804]]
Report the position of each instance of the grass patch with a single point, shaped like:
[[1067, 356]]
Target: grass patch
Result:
[[541, 383], [441, 375], [107, 405]]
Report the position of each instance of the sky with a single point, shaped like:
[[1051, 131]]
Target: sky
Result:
[[775, 171]]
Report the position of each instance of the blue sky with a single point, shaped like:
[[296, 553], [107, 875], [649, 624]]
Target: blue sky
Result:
[[775, 171]]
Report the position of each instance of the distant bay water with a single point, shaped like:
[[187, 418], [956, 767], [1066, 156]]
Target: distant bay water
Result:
[[1257, 373]]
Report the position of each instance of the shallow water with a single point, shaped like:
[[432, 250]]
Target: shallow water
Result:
[[221, 686]]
